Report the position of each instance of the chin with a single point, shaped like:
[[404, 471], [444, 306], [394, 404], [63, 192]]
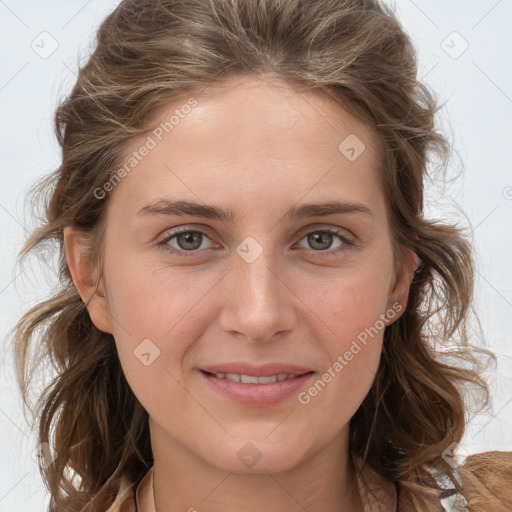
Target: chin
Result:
[[256, 456]]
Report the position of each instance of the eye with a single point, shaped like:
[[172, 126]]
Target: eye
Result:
[[190, 241], [321, 241]]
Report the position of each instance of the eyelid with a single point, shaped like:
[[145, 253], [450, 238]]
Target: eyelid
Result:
[[324, 227]]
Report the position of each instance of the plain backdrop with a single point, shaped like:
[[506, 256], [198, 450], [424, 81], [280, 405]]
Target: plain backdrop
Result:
[[465, 56]]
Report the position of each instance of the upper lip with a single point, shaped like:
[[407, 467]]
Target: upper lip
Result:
[[264, 370]]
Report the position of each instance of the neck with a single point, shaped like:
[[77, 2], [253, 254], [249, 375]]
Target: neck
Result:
[[181, 481]]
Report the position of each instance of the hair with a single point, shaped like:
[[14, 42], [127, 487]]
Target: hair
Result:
[[151, 52]]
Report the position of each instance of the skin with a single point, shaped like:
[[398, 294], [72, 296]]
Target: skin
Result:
[[256, 148]]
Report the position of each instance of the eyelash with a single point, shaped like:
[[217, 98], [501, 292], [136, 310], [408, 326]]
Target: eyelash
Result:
[[163, 244]]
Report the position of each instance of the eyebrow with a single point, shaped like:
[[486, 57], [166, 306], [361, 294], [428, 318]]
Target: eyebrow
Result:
[[167, 207]]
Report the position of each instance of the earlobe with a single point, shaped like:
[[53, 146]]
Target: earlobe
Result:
[[84, 277]]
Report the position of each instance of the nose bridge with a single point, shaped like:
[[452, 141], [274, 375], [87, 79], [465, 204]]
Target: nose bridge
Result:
[[258, 304], [260, 277]]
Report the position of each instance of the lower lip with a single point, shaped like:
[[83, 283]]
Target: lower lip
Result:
[[257, 395]]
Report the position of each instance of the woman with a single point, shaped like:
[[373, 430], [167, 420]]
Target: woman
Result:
[[285, 359]]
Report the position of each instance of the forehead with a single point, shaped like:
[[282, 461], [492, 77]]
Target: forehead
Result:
[[251, 135], [260, 109]]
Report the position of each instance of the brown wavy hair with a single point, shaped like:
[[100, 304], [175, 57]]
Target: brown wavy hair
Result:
[[150, 52]]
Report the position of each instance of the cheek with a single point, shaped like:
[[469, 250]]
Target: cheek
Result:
[[354, 353], [348, 305], [353, 308], [155, 304], [156, 320]]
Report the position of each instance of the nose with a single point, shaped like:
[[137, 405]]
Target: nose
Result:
[[258, 301]]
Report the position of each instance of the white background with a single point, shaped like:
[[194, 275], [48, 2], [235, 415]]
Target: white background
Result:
[[475, 87]]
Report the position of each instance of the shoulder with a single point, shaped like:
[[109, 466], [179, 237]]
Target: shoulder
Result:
[[490, 463], [487, 478], [491, 469]]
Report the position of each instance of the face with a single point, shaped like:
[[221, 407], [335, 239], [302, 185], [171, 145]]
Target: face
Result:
[[272, 284]]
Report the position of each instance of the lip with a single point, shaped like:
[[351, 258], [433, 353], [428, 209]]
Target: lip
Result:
[[257, 395], [264, 370]]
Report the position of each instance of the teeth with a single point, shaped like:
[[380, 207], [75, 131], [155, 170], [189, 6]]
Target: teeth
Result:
[[251, 379], [267, 380], [248, 379]]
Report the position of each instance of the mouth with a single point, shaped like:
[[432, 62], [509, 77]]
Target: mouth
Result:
[[253, 379], [256, 391]]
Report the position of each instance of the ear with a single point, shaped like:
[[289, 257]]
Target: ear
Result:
[[399, 292], [85, 277]]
